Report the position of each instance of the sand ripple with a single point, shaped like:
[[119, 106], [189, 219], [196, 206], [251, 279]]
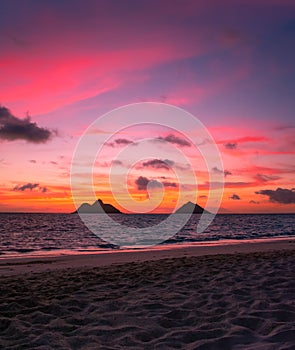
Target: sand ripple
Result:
[[243, 301]]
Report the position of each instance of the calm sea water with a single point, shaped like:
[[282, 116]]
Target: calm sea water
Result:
[[23, 234]]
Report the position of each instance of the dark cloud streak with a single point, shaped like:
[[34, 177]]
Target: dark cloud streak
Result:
[[28, 186], [174, 140], [266, 178], [169, 184], [158, 164], [120, 142]]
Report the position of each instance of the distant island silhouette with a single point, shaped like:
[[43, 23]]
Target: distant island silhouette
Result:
[[98, 207], [190, 207]]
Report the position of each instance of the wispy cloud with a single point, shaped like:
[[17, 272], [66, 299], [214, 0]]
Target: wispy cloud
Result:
[[266, 178], [219, 171], [169, 184], [176, 140], [253, 202], [233, 143], [158, 164], [117, 162], [120, 142], [30, 186]]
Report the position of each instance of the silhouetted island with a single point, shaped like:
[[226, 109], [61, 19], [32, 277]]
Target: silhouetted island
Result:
[[98, 207], [190, 207]]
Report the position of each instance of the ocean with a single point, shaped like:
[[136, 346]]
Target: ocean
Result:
[[56, 234]]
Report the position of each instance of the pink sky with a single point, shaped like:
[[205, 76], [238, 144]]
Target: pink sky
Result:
[[230, 64]]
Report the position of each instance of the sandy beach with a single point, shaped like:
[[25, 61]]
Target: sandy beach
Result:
[[238, 296]]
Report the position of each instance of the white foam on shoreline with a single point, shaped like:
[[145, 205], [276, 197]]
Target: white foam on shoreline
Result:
[[71, 259]]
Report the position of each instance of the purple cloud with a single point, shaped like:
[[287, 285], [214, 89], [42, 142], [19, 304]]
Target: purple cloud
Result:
[[120, 142], [266, 178], [169, 184], [218, 171], [235, 197], [13, 128], [28, 186], [117, 162], [142, 183], [280, 195], [175, 140], [230, 145], [158, 164]]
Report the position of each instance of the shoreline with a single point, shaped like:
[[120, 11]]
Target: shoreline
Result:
[[37, 264]]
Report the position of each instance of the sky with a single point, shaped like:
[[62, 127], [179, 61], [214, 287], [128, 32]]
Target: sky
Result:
[[64, 64]]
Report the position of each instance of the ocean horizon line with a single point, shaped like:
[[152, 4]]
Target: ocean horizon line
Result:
[[71, 213]]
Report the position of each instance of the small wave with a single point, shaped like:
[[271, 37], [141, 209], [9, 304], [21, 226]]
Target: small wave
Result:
[[49, 248], [23, 250]]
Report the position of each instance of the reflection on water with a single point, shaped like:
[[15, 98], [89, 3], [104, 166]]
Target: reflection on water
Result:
[[22, 233]]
